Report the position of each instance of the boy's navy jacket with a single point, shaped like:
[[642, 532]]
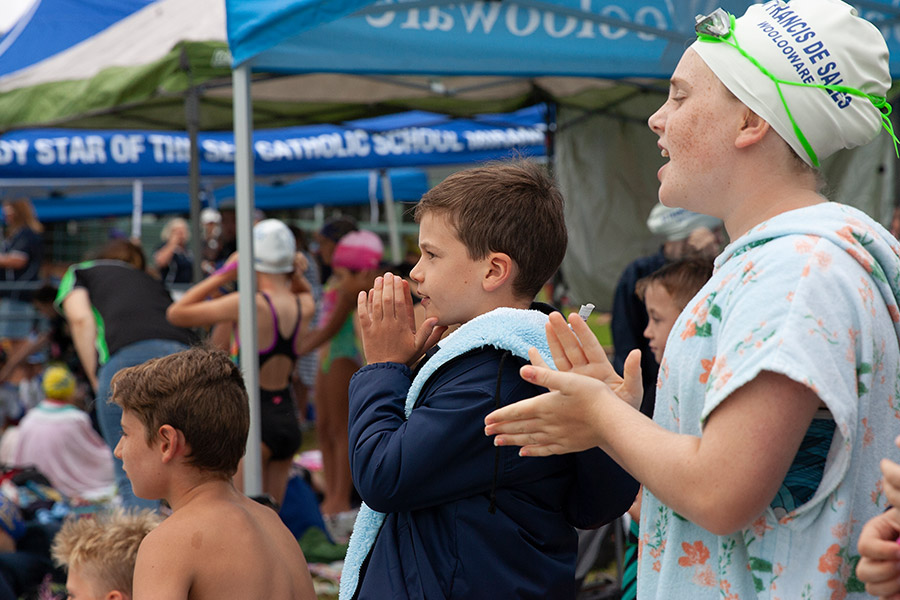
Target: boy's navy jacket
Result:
[[465, 519]]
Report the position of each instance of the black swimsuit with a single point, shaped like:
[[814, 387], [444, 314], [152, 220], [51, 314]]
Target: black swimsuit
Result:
[[278, 415]]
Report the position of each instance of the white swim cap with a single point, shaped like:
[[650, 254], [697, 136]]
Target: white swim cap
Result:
[[273, 247], [818, 42], [677, 223]]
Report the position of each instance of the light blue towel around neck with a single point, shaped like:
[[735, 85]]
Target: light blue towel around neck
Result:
[[511, 329]]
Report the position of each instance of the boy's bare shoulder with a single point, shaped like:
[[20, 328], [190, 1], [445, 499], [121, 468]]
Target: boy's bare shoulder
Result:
[[163, 567], [233, 547]]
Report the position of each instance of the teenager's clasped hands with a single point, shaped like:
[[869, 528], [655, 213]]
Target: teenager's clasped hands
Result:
[[566, 419], [388, 324]]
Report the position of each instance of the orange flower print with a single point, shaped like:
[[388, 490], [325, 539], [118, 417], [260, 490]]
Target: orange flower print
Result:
[[707, 369], [877, 493], [721, 373], [803, 245], [726, 593], [823, 259], [690, 330], [760, 526], [868, 437], [839, 590], [830, 562], [895, 313], [700, 304], [704, 576], [656, 566], [694, 554], [865, 260], [846, 233], [842, 530]]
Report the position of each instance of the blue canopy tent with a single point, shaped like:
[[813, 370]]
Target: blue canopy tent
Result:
[[57, 158], [435, 45], [332, 189], [522, 39], [23, 46]]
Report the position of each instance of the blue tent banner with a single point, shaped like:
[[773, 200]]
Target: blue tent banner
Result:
[[404, 140]]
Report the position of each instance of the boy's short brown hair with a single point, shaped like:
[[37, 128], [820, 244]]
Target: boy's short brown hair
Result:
[[200, 392], [682, 279], [104, 548], [509, 207]]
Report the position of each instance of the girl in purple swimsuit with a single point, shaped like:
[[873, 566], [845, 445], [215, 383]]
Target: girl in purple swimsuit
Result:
[[283, 316]]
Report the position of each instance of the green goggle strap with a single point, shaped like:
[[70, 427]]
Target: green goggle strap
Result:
[[879, 102]]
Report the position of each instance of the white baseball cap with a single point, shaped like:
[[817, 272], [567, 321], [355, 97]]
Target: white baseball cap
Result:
[[805, 42], [677, 223], [273, 247], [210, 215]]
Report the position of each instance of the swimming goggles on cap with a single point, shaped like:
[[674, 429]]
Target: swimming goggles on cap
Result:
[[718, 26]]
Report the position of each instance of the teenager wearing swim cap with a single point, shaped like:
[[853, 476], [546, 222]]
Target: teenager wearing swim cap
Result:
[[773, 405]]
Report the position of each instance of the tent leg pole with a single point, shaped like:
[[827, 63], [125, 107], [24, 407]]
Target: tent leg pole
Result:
[[243, 187], [192, 119], [391, 214], [137, 208]]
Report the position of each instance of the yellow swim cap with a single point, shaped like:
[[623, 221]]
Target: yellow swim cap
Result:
[[59, 383]]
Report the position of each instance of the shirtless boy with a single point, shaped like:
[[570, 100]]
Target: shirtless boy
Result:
[[185, 419]]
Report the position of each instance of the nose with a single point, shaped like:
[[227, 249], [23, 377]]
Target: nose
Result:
[[656, 120], [647, 332], [416, 273], [117, 451]]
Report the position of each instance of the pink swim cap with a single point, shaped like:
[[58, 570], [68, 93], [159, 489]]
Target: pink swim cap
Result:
[[358, 251]]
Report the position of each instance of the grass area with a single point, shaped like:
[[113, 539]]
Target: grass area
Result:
[[599, 322]]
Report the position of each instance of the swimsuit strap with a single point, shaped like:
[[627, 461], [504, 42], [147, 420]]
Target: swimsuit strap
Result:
[[274, 324], [297, 326]]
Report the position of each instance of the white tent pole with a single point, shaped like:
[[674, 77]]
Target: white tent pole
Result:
[[243, 188], [137, 208], [393, 230], [373, 197]]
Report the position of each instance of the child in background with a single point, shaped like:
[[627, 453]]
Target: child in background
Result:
[[99, 553], [354, 263], [58, 439], [665, 293], [185, 420], [283, 316], [459, 518]]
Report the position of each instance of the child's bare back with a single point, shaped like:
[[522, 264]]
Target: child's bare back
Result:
[[185, 419], [222, 545]]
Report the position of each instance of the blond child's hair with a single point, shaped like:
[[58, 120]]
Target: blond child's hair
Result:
[[104, 548]]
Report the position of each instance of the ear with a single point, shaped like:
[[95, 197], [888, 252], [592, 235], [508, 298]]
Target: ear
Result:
[[115, 595], [753, 129], [171, 443], [499, 271]]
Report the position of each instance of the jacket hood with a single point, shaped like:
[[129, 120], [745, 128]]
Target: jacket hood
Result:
[[850, 229]]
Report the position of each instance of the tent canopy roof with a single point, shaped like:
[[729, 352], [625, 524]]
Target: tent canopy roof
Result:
[[168, 47]]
